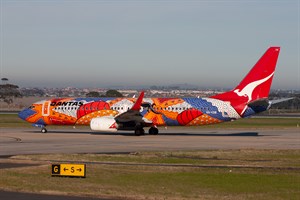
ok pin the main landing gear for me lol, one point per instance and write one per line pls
(153, 131)
(140, 131)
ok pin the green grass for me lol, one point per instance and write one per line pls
(276, 181)
(263, 122)
(12, 120)
(259, 123)
(246, 157)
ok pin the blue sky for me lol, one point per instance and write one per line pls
(107, 43)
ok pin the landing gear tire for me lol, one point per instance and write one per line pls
(139, 131)
(43, 130)
(153, 131)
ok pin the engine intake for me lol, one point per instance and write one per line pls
(104, 124)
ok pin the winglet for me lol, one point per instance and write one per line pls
(138, 103)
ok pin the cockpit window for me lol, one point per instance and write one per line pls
(31, 107)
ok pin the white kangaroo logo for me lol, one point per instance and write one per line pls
(248, 89)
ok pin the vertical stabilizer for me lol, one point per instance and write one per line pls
(256, 84)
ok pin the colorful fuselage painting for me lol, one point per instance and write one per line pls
(158, 111)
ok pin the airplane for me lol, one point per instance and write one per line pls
(249, 97)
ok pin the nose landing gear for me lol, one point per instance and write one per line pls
(43, 130)
(43, 127)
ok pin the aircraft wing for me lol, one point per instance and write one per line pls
(133, 115)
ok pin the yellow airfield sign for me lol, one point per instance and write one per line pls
(70, 170)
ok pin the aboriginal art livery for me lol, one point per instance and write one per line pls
(112, 114)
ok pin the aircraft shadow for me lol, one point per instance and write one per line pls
(212, 134)
(129, 133)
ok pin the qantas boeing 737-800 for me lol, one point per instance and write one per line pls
(112, 114)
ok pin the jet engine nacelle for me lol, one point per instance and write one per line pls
(104, 124)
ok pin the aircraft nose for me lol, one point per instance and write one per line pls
(24, 114)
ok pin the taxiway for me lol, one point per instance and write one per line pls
(17, 141)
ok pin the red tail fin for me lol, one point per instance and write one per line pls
(256, 84)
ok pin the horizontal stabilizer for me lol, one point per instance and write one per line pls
(259, 102)
(280, 100)
(259, 105)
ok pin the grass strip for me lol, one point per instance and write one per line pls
(165, 182)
